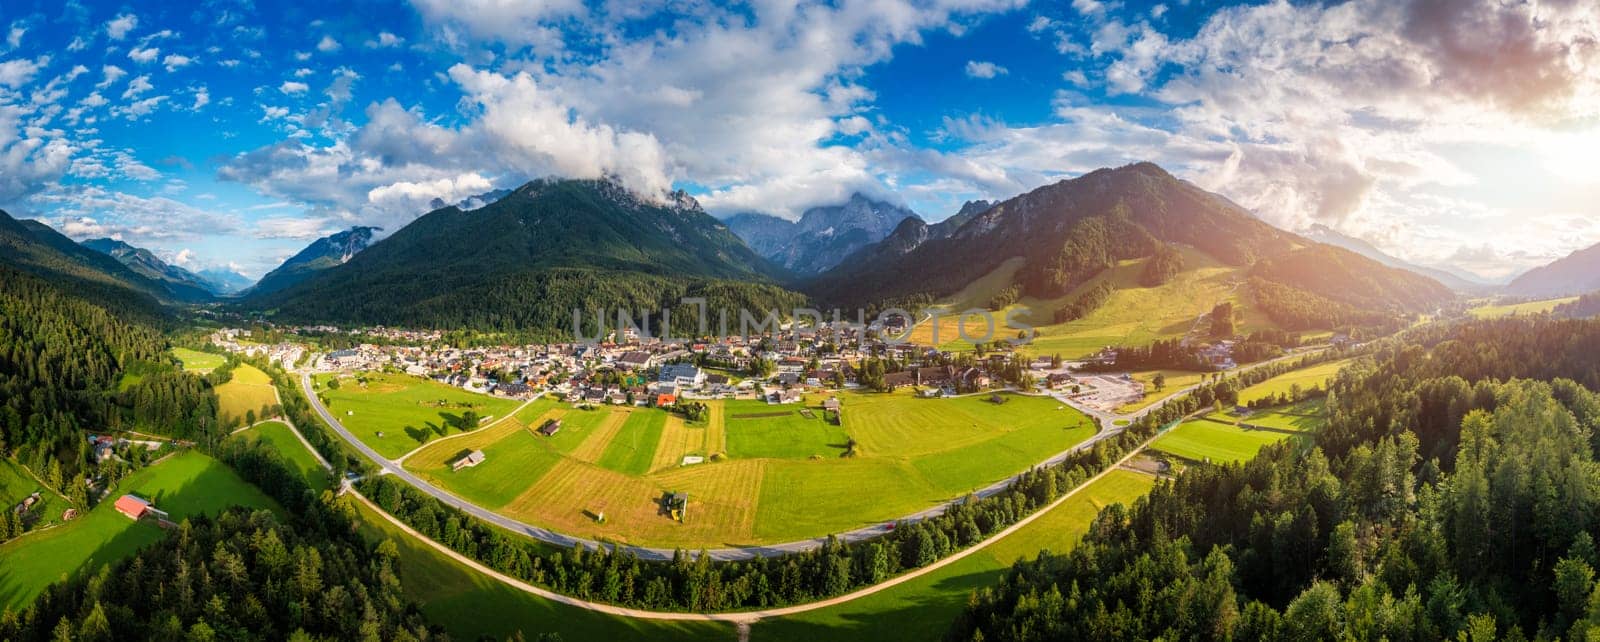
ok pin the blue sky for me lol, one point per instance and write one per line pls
(232, 133)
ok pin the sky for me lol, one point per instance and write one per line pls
(229, 133)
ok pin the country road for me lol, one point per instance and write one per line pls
(392, 467)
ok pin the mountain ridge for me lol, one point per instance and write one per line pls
(1574, 274)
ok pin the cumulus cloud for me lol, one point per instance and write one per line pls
(293, 88)
(173, 62)
(118, 28)
(419, 197)
(137, 86)
(983, 69)
(327, 45)
(144, 55)
(112, 74)
(94, 211)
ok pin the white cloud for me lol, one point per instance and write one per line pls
(977, 69)
(112, 74)
(137, 86)
(384, 40)
(19, 72)
(144, 55)
(419, 196)
(293, 88)
(327, 45)
(14, 36)
(173, 62)
(202, 97)
(118, 28)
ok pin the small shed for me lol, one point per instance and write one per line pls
(550, 427)
(471, 459)
(831, 405)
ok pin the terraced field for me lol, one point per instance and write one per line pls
(771, 472)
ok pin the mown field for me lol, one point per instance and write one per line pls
(197, 361)
(186, 484)
(395, 413)
(277, 435)
(1316, 376)
(249, 389)
(773, 473)
(1493, 311)
(1221, 438)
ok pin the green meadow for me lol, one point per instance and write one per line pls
(395, 413)
(279, 437)
(1316, 376)
(16, 484)
(197, 361)
(1493, 311)
(186, 484)
(922, 609)
(1220, 440)
(631, 451)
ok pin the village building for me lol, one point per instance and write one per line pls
(550, 427)
(684, 375)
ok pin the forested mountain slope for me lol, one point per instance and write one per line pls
(531, 258)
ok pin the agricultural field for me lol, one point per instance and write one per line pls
(16, 485)
(770, 473)
(197, 361)
(1226, 438)
(249, 389)
(277, 435)
(1316, 376)
(1494, 311)
(186, 484)
(923, 609)
(1133, 315)
(395, 413)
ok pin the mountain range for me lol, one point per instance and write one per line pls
(327, 252)
(527, 260)
(188, 286)
(1574, 274)
(1069, 232)
(1324, 234)
(36, 248)
(823, 236)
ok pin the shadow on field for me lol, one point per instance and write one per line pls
(918, 610)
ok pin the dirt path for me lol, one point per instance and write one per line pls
(479, 429)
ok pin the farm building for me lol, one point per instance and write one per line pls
(784, 396)
(471, 459)
(550, 427)
(831, 405)
(894, 380)
(137, 508)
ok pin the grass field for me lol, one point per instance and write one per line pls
(923, 609)
(1220, 439)
(1492, 311)
(472, 606)
(277, 435)
(782, 476)
(395, 413)
(185, 485)
(249, 389)
(197, 361)
(1316, 376)
(16, 484)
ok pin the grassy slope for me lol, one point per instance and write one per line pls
(16, 484)
(1314, 376)
(922, 609)
(187, 484)
(403, 408)
(197, 361)
(249, 389)
(278, 436)
(1134, 314)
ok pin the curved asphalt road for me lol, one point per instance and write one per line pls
(1108, 430)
